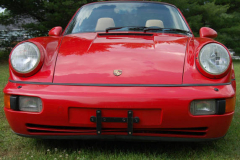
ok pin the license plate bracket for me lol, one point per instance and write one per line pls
(98, 119)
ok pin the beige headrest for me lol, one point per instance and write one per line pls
(154, 23)
(104, 23)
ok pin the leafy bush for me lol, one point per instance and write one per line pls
(4, 55)
(6, 46)
(9, 43)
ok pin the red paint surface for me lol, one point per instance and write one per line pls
(195, 75)
(50, 46)
(91, 58)
(56, 31)
(206, 32)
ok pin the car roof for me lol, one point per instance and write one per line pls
(132, 1)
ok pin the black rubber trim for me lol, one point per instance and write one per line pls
(14, 100)
(220, 106)
(124, 34)
(121, 137)
(120, 85)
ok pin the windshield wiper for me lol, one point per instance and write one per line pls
(166, 29)
(145, 29)
(134, 28)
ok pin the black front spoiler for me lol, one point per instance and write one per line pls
(122, 138)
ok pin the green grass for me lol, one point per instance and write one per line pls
(15, 147)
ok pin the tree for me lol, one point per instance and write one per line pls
(46, 13)
(230, 33)
(221, 15)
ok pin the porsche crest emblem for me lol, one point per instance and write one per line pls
(117, 72)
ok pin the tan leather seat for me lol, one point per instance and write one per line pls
(154, 23)
(104, 23)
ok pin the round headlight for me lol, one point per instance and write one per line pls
(25, 57)
(214, 59)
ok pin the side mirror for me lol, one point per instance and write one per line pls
(206, 32)
(56, 31)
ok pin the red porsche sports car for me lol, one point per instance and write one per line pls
(122, 70)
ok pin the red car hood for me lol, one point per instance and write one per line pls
(142, 58)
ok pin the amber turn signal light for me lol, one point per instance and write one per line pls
(230, 104)
(7, 100)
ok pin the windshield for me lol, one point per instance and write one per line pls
(98, 17)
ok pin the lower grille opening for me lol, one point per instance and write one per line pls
(173, 132)
(44, 131)
(58, 127)
(36, 128)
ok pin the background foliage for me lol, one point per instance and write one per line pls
(221, 15)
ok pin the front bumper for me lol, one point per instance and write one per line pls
(163, 111)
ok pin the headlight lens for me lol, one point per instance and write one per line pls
(25, 57)
(214, 59)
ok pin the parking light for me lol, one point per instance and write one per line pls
(30, 104)
(7, 100)
(203, 107)
(208, 107)
(25, 103)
